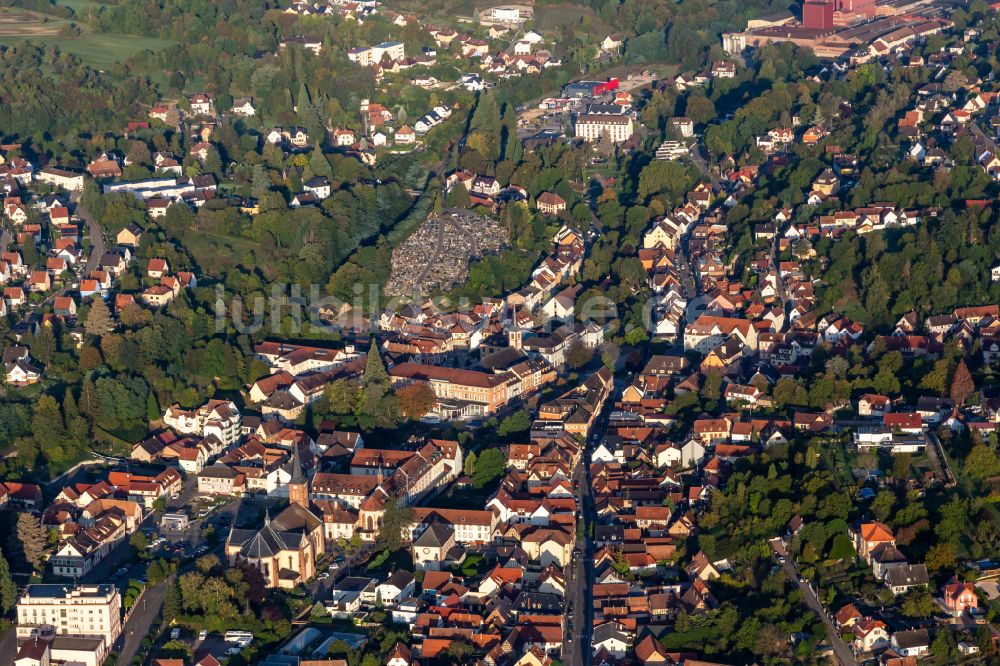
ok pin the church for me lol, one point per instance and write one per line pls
(285, 549)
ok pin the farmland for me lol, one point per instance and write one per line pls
(20, 23)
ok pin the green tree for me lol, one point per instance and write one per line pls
(469, 467)
(490, 466)
(378, 407)
(518, 422)
(918, 603)
(342, 396)
(397, 517)
(941, 557)
(8, 589)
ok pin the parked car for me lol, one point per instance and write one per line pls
(203, 634)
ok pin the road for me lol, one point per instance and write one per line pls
(699, 160)
(97, 243)
(8, 646)
(139, 623)
(579, 621)
(844, 653)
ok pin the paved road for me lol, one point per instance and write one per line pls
(699, 160)
(579, 595)
(8, 646)
(579, 622)
(96, 239)
(139, 623)
(843, 652)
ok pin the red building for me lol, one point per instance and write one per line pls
(818, 14)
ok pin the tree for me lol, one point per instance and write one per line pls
(578, 355)
(883, 505)
(8, 589)
(469, 467)
(30, 541)
(459, 651)
(416, 399)
(918, 603)
(139, 541)
(342, 396)
(99, 319)
(941, 557)
(962, 385)
(43, 345)
(397, 517)
(519, 421)
(490, 466)
(378, 407)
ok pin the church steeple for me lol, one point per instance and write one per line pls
(298, 485)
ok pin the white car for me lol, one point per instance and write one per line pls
(203, 634)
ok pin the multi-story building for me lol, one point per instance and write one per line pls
(373, 55)
(61, 178)
(87, 611)
(591, 127)
(216, 417)
(707, 332)
(461, 393)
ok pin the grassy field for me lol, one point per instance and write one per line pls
(79, 6)
(215, 253)
(97, 50)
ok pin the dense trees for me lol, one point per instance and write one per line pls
(397, 517)
(29, 542)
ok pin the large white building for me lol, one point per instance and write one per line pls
(372, 55)
(216, 417)
(67, 180)
(591, 127)
(86, 611)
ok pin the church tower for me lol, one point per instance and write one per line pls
(298, 486)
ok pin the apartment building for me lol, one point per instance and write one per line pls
(707, 332)
(216, 417)
(90, 611)
(591, 127)
(373, 55)
(61, 178)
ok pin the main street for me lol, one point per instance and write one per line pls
(579, 621)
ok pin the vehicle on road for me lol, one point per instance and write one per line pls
(203, 634)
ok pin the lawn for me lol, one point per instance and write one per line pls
(99, 50)
(79, 6)
(214, 253)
